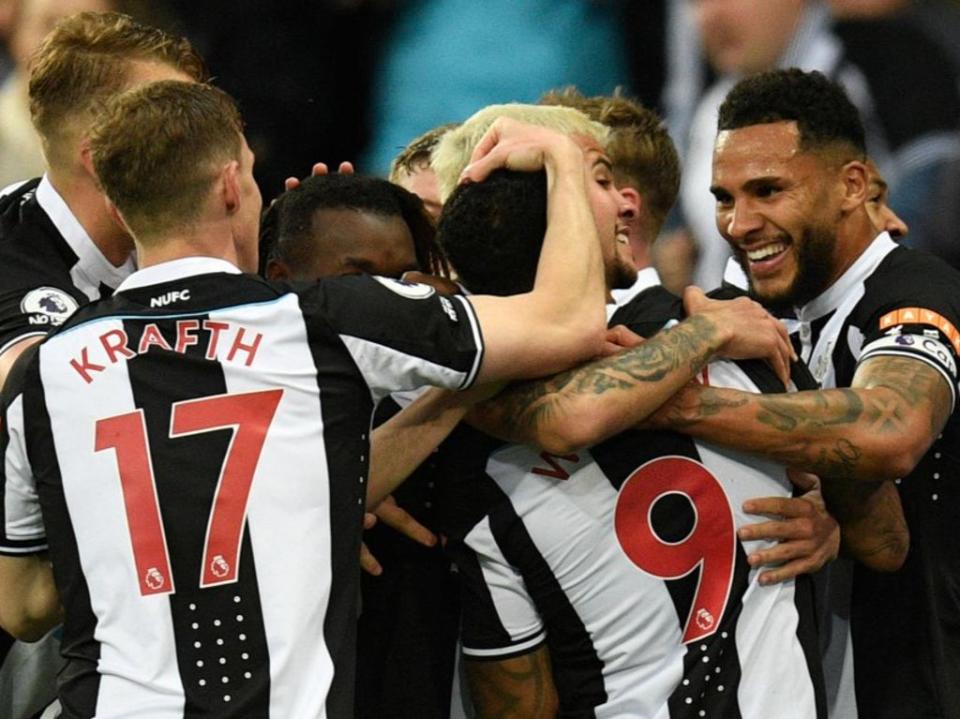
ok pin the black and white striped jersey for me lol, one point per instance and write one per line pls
(624, 560)
(906, 625)
(198, 446)
(49, 266)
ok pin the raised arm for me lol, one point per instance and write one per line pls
(879, 428)
(561, 321)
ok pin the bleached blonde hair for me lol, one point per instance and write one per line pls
(453, 152)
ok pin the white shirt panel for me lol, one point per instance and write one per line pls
(94, 497)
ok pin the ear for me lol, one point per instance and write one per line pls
(116, 216)
(854, 177)
(230, 187)
(277, 270)
(86, 157)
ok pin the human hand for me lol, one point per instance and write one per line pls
(807, 536)
(397, 518)
(751, 331)
(318, 169)
(619, 338)
(515, 145)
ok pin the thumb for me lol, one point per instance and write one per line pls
(694, 299)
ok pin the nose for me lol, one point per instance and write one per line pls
(738, 221)
(894, 224)
(629, 205)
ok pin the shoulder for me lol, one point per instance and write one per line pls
(649, 312)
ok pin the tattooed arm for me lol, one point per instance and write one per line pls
(873, 529)
(879, 428)
(516, 688)
(583, 406)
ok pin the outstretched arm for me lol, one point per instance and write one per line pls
(879, 428)
(586, 405)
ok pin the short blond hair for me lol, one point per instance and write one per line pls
(158, 149)
(86, 59)
(453, 152)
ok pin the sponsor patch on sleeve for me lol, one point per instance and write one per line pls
(921, 316)
(410, 290)
(48, 306)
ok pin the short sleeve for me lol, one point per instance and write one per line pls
(924, 332)
(401, 335)
(499, 618)
(21, 531)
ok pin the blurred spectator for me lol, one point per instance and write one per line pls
(8, 9)
(20, 154)
(911, 108)
(741, 37)
(918, 104)
(444, 59)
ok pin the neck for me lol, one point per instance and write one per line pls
(853, 238)
(88, 205)
(204, 238)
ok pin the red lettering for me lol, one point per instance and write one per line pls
(117, 347)
(84, 366)
(186, 334)
(557, 472)
(214, 328)
(250, 349)
(151, 337)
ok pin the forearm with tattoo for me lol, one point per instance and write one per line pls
(873, 527)
(641, 378)
(895, 406)
(517, 688)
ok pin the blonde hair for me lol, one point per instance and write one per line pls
(453, 152)
(86, 59)
(158, 149)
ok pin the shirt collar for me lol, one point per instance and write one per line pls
(177, 270)
(646, 278)
(92, 265)
(856, 274)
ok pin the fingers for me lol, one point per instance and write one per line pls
(781, 506)
(369, 519)
(346, 168)
(368, 562)
(318, 170)
(804, 481)
(623, 336)
(291, 183)
(402, 521)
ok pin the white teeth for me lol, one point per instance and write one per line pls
(766, 251)
(622, 238)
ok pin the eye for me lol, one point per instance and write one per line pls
(766, 191)
(723, 199)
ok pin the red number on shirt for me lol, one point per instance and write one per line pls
(249, 415)
(710, 546)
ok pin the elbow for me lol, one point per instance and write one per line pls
(572, 431)
(895, 460)
(888, 558)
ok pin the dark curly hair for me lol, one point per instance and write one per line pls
(493, 231)
(286, 226)
(820, 107)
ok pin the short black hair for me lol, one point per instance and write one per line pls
(493, 231)
(287, 225)
(820, 107)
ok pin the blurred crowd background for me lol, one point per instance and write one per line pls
(332, 80)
